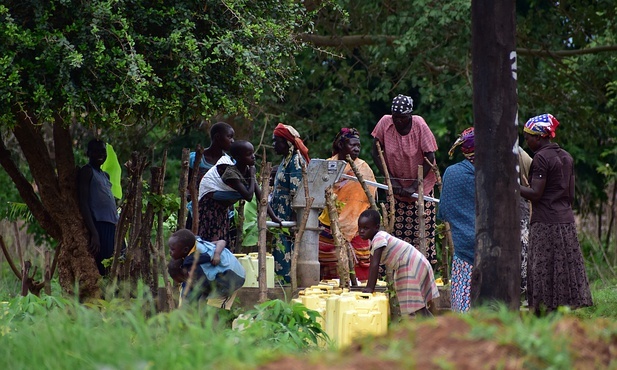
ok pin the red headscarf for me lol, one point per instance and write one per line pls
(290, 134)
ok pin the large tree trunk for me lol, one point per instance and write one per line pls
(54, 203)
(496, 273)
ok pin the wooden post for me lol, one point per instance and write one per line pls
(182, 188)
(496, 274)
(387, 217)
(194, 189)
(421, 216)
(262, 211)
(448, 246)
(342, 263)
(47, 273)
(294, 254)
(360, 178)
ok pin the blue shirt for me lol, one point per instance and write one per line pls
(457, 205)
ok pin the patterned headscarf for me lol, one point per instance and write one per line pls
(344, 134)
(543, 125)
(293, 137)
(402, 104)
(467, 143)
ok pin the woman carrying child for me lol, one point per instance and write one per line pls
(222, 186)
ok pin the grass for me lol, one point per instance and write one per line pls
(52, 333)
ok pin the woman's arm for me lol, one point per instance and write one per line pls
(535, 191)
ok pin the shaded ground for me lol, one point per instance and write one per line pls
(449, 342)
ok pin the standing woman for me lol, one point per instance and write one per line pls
(353, 201)
(286, 141)
(457, 206)
(556, 270)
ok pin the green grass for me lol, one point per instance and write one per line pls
(604, 301)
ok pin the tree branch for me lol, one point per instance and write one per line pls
(26, 191)
(345, 41)
(352, 41)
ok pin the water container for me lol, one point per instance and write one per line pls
(250, 263)
(353, 314)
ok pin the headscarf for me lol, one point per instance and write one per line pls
(344, 134)
(466, 142)
(402, 104)
(543, 125)
(293, 137)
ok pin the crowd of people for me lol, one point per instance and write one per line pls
(552, 268)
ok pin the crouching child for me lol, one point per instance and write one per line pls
(217, 275)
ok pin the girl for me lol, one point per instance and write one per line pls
(414, 282)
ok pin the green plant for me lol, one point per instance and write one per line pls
(283, 324)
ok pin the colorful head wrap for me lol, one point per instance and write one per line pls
(293, 137)
(344, 134)
(543, 125)
(402, 104)
(467, 143)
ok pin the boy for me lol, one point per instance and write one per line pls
(97, 204)
(217, 276)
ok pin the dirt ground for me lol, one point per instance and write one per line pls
(444, 343)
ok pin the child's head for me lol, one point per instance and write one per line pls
(243, 152)
(97, 151)
(368, 224)
(222, 134)
(176, 271)
(180, 243)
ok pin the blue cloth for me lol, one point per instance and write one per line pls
(220, 280)
(101, 201)
(457, 205)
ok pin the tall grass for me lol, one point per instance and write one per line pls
(55, 333)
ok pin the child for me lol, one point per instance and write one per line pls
(414, 282)
(222, 186)
(97, 204)
(217, 276)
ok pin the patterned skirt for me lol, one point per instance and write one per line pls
(328, 258)
(214, 221)
(556, 270)
(407, 226)
(460, 294)
(524, 207)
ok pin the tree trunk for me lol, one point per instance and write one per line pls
(54, 202)
(496, 274)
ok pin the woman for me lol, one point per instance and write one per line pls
(286, 141)
(352, 201)
(556, 270)
(457, 207)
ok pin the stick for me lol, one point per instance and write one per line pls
(182, 186)
(300, 232)
(388, 218)
(342, 263)
(362, 182)
(261, 224)
(448, 248)
(9, 259)
(420, 203)
(189, 281)
(199, 152)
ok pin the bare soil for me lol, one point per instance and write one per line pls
(445, 343)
